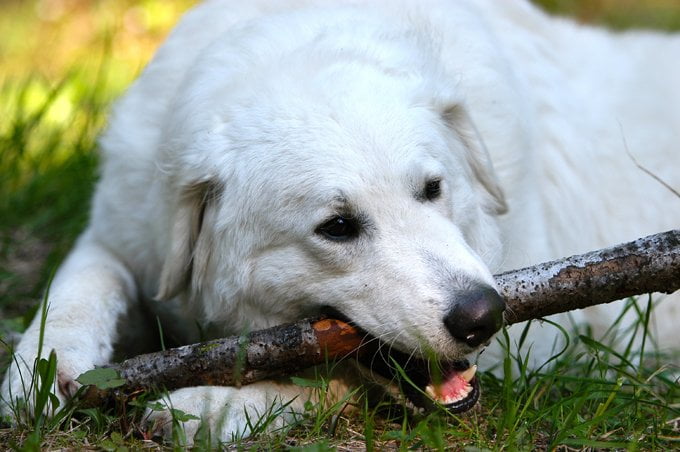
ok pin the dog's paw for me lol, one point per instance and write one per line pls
(26, 378)
(222, 414)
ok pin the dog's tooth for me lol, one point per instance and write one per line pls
(470, 373)
(431, 392)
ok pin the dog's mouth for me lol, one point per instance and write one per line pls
(458, 391)
(453, 385)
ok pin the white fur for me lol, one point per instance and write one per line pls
(256, 121)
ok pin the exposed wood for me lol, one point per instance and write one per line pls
(650, 264)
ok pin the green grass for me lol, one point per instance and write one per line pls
(48, 169)
(620, 14)
(589, 397)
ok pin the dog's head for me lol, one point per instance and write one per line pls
(351, 178)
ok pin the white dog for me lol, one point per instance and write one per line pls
(278, 157)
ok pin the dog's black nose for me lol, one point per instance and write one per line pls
(476, 315)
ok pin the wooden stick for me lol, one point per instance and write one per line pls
(235, 360)
(650, 264)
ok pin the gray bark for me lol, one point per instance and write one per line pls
(650, 264)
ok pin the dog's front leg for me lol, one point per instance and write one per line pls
(90, 293)
(228, 413)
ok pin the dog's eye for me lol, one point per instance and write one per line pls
(433, 189)
(339, 228)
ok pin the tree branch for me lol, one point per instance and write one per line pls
(650, 264)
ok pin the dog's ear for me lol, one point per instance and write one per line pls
(189, 253)
(457, 119)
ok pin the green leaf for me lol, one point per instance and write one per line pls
(153, 406)
(54, 400)
(47, 372)
(306, 383)
(117, 438)
(107, 445)
(102, 378)
(181, 416)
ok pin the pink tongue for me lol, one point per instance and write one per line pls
(452, 386)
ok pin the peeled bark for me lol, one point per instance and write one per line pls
(650, 264)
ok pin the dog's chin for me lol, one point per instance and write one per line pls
(425, 381)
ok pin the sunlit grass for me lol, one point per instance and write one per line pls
(62, 63)
(50, 36)
(620, 14)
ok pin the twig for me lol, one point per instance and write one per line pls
(645, 170)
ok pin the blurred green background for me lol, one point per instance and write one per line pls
(620, 14)
(61, 64)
